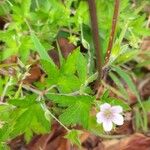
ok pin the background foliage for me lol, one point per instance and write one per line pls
(32, 29)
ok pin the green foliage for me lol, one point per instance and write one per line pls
(141, 120)
(128, 80)
(140, 116)
(114, 101)
(146, 105)
(46, 19)
(73, 136)
(32, 29)
(119, 85)
(77, 111)
(70, 76)
(34, 121)
(40, 49)
(25, 116)
(95, 128)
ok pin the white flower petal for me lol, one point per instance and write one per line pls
(105, 106)
(107, 125)
(100, 117)
(118, 119)
(117, 109)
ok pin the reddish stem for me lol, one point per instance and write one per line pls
(113, 29)
(111, 39)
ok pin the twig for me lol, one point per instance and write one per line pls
(113, 28)
(32, 89)
(18, 91)
(69, 94)
(36, 91)
(94, 26)
(7, 65)
(113, 136)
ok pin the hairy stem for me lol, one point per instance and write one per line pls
(113, 29)
(96, 41)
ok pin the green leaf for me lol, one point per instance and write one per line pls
(68, 84)
(115, 101)
(77, 111)
(94, 127)
(146, 105)
(127, 79)
(88, 80)
(76, 114)
(115, 51)
(82, 67)
(40, 49)
(4, 133)
(26, 7)
(23, 102)
(92, 78)
(119, 84)
(63, 100)
(131, 85)
(73, 136)
(123, 32)
(9, 52)
(42, 120)
(23, 121)
(105, 95)
(125, 57)
(24, 48)
(67, 100)
(4, 8)
(28, 135)
(31, 119)
(51, 70)
(5, 111)
(69, 67)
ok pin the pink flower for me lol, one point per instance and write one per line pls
(108, 115)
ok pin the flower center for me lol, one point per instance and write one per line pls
(108, 114)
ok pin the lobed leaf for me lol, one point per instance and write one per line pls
(78, 108)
